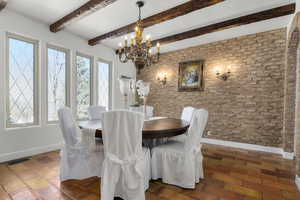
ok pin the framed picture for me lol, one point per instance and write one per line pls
(190, 77)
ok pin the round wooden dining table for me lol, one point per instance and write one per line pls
(153, 128)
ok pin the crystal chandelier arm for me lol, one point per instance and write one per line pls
(155, 58)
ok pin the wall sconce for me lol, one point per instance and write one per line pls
(162, 78)
(225, 75)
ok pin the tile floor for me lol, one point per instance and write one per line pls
(230, 174)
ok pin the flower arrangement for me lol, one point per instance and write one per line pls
(143, 88)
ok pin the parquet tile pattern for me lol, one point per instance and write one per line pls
(230, 174)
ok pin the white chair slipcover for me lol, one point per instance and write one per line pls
(187, 114)
(180, 163)
(77, 160)
(94, 112)
(149, 110)
(126, 167)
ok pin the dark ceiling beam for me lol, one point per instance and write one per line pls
(248, 19)
(172, 13)
(3, 4)
(88, 8)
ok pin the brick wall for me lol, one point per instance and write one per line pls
(297, 115)
(246, 108)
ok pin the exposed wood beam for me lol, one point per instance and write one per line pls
(3, 4)
(172, 13)
(88, 8)
(248, 19)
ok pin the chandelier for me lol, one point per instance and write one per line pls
(139, 49)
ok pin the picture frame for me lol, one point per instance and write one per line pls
(190, 76)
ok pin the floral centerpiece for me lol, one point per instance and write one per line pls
(143, 90)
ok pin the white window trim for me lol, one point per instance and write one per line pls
(36, 111)
(109, 82)
(67, 78)
(91, 81)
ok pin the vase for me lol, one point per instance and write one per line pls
(125, 90)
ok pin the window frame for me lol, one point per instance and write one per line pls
(36, 81)
(67, 79)
(109, 82)
(91, 81)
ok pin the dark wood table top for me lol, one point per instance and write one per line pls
(157, 128)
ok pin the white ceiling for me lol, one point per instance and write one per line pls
(124, 12)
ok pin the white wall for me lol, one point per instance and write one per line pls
(20, 142)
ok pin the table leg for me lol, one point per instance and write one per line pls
(150, 143)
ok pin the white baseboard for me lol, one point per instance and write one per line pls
(38, 150)
(29, 152)
(246, 146)
(297, 181)
(287, 155)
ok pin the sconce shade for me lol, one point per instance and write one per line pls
(229, 68)
(162, 78)
(223, 76)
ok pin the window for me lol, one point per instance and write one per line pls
(57, 80)
(103, 86)
(22, 82)
(83, 89)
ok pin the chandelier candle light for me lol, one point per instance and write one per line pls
(139, 51)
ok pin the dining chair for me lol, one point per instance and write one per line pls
(187, 114)
(180, 163)
(126, 167)
(149, 110)
(94, 112)
(77, 160)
